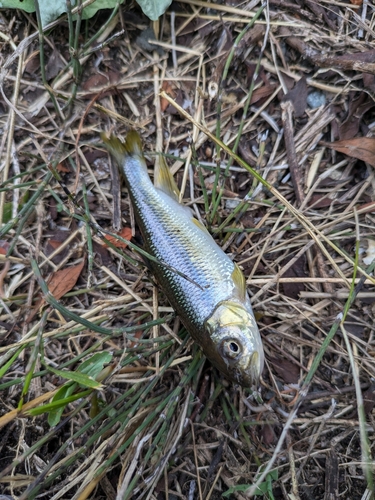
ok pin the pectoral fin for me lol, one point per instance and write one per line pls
(239, 281)
(200, 225)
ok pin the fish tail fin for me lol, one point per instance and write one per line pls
(120, 150)
(133, 144)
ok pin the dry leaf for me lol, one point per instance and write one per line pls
(370, 207)
(285, 369)
(293, 289)
(357, 108)
(102, 253)
(55, 244)
(368, 81)
(54, 65)
(61, 167)
(362, 148)
(101, 80)
(4, 247)
(168, 87)
(319, 201)
(262, 93)
(298, 97)
(138, 334)
(61, 282)
(226, 192)
(125, 233)
(268, 435)
(55, 240)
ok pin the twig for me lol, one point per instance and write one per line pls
(294, 168)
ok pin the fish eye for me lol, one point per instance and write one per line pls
(234, 347)
(230, 348)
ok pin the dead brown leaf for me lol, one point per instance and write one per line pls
(298, 97)
(285, 369)
(368, 81)
(32, 63)
(169, 88)
(362, 148)
(357, 108)
(319, 201)
(55, 239)
(262, 93)
(102, 253)
(293, 289)
(61, 282)
(54, 65)
(101, 80)
(61, 167)
(4, 247)
(367, 207)
(268, 434)
(226, 192)
(125, 233)
(55, 244)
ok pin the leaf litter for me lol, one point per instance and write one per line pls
(165, 424)
(361, 148)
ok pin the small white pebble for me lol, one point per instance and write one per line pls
(231, 203)
(370, 252)
(316, 99)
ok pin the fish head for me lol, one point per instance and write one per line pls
(235, 335)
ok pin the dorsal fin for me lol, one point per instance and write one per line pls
(164, 180)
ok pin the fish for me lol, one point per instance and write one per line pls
(208, 291)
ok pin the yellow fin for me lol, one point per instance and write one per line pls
(164, 179)
(114, 146)
(200, 225)
(132, 146)
(240, 282)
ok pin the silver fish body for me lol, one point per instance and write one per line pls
(212, 304)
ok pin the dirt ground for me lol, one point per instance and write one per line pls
(103, 394)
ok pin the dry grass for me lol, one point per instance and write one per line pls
(147, 416)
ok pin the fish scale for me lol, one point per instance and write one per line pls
(212, 304)
(179, 244)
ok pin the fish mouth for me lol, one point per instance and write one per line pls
(254, 365)
(251, 375)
